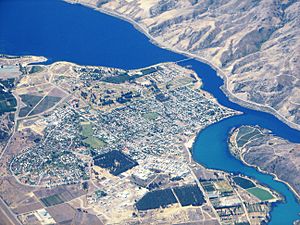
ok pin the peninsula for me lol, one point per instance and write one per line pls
(258, 147)
(99, 145)
(254, 45)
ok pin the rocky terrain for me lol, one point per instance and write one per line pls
(258, 147)
(254, 45)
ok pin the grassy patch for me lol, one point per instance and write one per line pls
(94, 142)
(151, 115)
(223, 186)
(90, 140)
(36, 69)
(52, 200)
(87, 129)
(122, 78)
(184, 80)
(260, 193)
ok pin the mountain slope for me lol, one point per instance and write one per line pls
(260, 148)
(255, 45)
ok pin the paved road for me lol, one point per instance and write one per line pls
(7, 217)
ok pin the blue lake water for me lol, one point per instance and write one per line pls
(60, 31)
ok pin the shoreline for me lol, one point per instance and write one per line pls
(219, 72)
(278, 197)
(191, 140)
(189, 143)
(275, 177)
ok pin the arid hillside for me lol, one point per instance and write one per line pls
(254, 44)
(259, 148)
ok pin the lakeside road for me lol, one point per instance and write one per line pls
(219, 72)
(7, 217)
(232, 97)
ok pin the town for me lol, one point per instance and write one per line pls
(116, 146)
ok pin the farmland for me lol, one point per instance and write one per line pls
(261, 193)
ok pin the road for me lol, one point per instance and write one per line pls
(7, 217)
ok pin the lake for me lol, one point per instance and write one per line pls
(60, 31)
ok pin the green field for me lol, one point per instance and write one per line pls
(94, 142)
(36, 69)
(52, 200)
(87, 129)
(260, 193)
(151, 115)
(87, 132)
(122, 78)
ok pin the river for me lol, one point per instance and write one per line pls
(60, 31)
